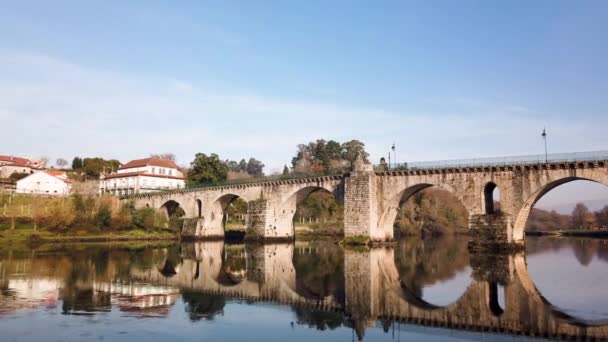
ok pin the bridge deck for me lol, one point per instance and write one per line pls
(537, 161)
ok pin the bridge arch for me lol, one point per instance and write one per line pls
(394, 203)
(288, 207)
(218, 211)
(519, 225)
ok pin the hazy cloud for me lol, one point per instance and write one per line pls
(62, 109)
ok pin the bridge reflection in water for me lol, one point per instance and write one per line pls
(374, 290)
(326, 285)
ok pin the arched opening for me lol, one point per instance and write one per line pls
(199, 207)
(573, 206)
(175, 215)
(318, 213)
(491, 195)
(577, 210)
(496, 298)
(233, 217)
(427, 210)
(433, 273)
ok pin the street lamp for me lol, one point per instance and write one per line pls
(394, 154)
(544, 135)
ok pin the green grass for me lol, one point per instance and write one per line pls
(357, 240)
(29, 236)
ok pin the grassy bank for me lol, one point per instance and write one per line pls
(30, 236)
(314, 232)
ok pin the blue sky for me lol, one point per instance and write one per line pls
(445, 80)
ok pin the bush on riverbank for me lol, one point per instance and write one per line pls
(76, 213)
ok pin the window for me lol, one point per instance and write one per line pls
(170, 172)
(153, 170)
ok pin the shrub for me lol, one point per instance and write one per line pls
(103, 218)
(55, 214)
(147, 218)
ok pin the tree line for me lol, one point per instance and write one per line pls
(581, 218)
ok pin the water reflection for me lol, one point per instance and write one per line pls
(571, 274)
(434, 270)
(367, 293)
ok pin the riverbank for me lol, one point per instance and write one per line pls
(596, 234)
(30, 236)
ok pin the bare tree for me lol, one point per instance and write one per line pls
(582, 218)
(44, 161)
(61, 162)
(168, 156)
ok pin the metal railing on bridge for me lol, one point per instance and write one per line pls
(291, 176)
(534, 159)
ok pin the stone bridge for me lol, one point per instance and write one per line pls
(372, 198)
(373, 291)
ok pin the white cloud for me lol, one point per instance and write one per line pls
(63, 109)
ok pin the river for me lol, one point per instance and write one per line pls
(431, 289)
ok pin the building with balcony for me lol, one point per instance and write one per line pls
(142, 176)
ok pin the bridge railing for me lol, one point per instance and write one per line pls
(534, 159)
(291, 176)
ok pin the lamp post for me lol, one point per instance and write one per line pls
(394, 154)
(544, 135)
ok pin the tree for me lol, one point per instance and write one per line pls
(15, 176)
(321, 155)
(580, 216)
(354, 148)
(77, 163)
(233, 165)
(166, 156)
(44, 161)
(95, 166)
(205, 169)
(242, 166)
(61, 162)
(255, 167)
(285, 170)
(602, 217)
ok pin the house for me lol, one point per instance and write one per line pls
(54, 183)
(142, 176)
(12, 164)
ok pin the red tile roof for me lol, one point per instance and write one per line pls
(56, 173)
(61, 175)
(149, 162)
(16, 161)
(140, 173)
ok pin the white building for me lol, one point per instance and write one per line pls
(141, 176)
(54, 183)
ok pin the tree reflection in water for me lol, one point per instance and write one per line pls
(422, 263)
(203, 306)
(320, 271)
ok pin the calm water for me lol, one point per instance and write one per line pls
(417, 290)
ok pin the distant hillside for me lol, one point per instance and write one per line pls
(566, 208)
(542, 220)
